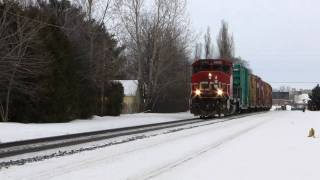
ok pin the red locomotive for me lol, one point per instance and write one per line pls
(221, 87)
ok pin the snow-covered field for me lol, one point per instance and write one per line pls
(266, 146)
(17, 131)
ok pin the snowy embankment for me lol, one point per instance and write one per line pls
(266, 146)
(279, 149)
(10, 132)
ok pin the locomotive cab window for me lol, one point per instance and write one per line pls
(198, 68)
(204, 85)
(215, 68)
(214, 85)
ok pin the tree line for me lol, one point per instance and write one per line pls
(59, 59)
(225, 46)
(50, 71)
(314, 102)
(157, 37)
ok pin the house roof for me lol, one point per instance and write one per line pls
(130, 87)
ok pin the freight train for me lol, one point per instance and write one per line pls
(220, 87)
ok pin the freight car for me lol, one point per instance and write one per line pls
(220, 87)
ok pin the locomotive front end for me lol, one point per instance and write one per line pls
(211, 87)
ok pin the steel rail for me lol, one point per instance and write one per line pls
(34, 145)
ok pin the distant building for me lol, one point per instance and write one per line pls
(280, 95)
(301, 100)
(130, 88)
(281, 98)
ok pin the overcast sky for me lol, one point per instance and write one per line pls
(279, 38)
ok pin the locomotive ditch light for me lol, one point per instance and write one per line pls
(198, 92)
(210, 75)
(219, 92)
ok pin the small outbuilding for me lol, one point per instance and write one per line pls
(130, 100)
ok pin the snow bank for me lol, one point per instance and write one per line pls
(10, 132)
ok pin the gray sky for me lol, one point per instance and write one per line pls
(279, 38)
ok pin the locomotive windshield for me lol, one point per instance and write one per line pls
(204, 85)
(207, 67)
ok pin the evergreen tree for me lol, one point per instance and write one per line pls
(68, 87)
(314, 102)
(114, 97)
(64, 84)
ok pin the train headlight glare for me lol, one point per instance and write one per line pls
(220, 92)
(198, 92)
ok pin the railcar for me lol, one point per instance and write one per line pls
(219, 87)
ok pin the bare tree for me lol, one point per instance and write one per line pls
(208, 47)
(103, 63)
(152, 36)
(15, 63)
(99, 13)
(198, 51)
(130, 15)
(225, 42)
(170, 37)
(95, 10)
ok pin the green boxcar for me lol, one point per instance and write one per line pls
(241, 85)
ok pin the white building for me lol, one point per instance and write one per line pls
(301, 100)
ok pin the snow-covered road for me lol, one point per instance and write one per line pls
(265, 146)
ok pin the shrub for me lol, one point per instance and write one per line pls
(114, 97)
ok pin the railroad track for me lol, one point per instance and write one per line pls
(35, 145)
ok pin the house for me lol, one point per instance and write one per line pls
(301, 100)
(281, 99)
(130, 88)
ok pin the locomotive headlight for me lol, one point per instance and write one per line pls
(198, 92)
(219, 92)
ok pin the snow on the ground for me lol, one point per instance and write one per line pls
(277, 150)
(266, 146)
(18, 131)
(131, 160)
